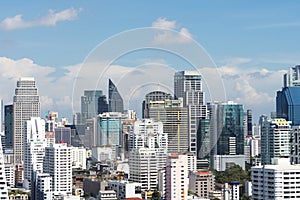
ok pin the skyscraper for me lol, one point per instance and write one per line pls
(175, 123)
(275, 139)
(153, 96)
(288, 104)
(58, 164)
(188, 85)
(34, 151)
(227, 134)
(90, 104)
(114, 98)
(292, 78)
(26, 104)
(9, 126)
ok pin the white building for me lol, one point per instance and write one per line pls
(107, 195)
(3, 183)
(125, 189)
(141, 131)
(79, 156)
(143, 168)
(34, 148)
(10, 174)
(26, 104)
(58, 164)
(278, 181)
(222, 162)
(41, 186)
(103, 153)
(177, 177)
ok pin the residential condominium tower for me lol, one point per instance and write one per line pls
(26, 104)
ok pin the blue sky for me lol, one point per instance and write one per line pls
(250, 41)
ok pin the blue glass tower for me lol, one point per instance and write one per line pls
(288, 104)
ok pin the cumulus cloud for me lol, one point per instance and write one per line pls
(50, 19)
(171, 32)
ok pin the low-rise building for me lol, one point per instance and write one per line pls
(125, 189)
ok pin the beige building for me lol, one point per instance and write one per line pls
(201, 183)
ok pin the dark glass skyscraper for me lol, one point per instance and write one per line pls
(9, 126)
(114, 98)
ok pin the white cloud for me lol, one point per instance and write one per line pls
(50, 19)
(170, 32)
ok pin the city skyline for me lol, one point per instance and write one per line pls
(251, 45)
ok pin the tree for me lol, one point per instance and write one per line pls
(155, 195)
(234, 173)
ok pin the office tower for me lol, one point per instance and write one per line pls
(58, 164)
(26, 104)
(292, 78)
(153, 96)
(177, 181)
(110, 129)
(227, 131)
(41, 186)
(3, 182)
(201, 183)
(115, 101)
(89, 104)
(275, 139)
(277, 181)
(9, 126)
(203, 137)
(34, 149)
(288, 104)
(175, 122)
(102, 104)
(63, 135)
(143, 168)
(188, 85)
(248, 123)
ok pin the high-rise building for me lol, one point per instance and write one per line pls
(3, 182)
(115, 100)
(63, 135)
(277, 181)
(110, 129)
(288, 104)
(203, 139)
(148, 143)
(292, 78)
(153, 96)
(175, 122)
(41, 186)
(226, 130)
(177, 180)
(295, 145)
(102, 104)
(89, 104)
(9, 126)
(188, 85)
(143, 168)
(275, 139)
(58, 164)
(34, 149)
(201, 183)
(26, 104)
